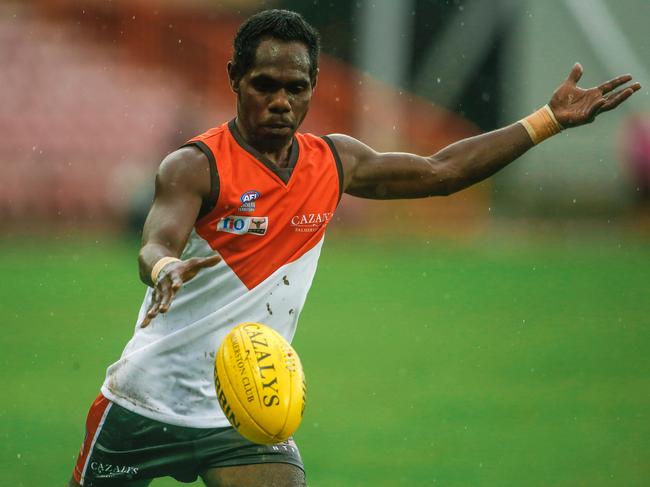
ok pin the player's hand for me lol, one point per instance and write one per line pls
(171, 279)
(573, 106)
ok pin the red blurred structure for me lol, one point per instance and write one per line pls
(96, 93)
(636, 153)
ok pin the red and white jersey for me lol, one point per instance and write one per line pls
(268, 226)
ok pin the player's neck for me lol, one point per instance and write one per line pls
(276, 150)
(279, 157)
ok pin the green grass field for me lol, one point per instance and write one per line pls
(485, 363)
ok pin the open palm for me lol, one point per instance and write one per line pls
(573, 106)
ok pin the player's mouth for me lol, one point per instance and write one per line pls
(278, 127)
(277, 122)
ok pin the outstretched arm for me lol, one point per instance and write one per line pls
(182, 183)
(369, 174)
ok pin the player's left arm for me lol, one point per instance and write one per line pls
(370, 174)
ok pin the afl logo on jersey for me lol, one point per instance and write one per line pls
(248, 200)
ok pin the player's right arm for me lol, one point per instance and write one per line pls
(182, 184)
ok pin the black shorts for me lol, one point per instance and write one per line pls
(121, 445)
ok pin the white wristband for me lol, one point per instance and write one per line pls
(158, 267)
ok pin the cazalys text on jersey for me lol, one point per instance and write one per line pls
(310, 222)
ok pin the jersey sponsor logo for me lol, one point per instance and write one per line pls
(241, 225)
(310, 222)
(248, 200)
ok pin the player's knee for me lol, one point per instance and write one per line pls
(260, 475)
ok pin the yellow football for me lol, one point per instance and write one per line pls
(260, 383)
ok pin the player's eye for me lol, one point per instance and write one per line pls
(296, 88)
(264, 85)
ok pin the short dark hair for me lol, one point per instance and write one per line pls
(284, 25)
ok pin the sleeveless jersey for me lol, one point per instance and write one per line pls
(269, 232)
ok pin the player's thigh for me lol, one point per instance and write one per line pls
(257, 475)
(131, 483)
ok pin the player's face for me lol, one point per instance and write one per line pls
(274, 95)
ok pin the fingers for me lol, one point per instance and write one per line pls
(162, 297)
(153, 308)
(195, 264)
(208, 261)
(171, 281)
(575, 74)
(170, 286)
(596, 109)
(615, 99)
(614, 83)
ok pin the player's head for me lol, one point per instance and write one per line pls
(273, 72)
(283, 25)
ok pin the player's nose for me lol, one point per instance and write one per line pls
(280, 102)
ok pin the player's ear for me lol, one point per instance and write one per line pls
(315, 80)
(234, 82)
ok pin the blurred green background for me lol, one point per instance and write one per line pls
(485, 362)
